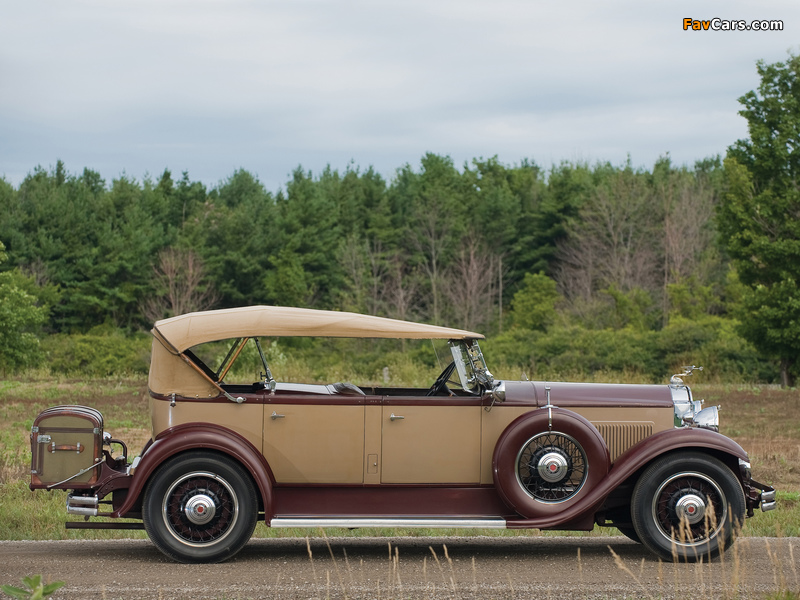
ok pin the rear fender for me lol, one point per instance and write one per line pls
(195, 436)
(636, 458)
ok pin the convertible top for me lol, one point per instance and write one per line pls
(173, 372)
(185, 331)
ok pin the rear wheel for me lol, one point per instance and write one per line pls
(200, 507)
(686, 506)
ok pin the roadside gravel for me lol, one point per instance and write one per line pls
(387, 568)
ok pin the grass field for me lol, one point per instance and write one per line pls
(765, 420)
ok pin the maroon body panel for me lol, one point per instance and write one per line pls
(193, 436)
(632, 461)
(607, 395)
(388, 501)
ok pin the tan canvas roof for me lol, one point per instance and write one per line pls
(191, 329)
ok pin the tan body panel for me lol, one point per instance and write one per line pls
(245, 419)
(174, 376)
(316, 442)
(372, 444)
(621, 428)
(306, 443)
(431, 444)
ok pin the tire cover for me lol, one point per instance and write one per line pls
(520, 432)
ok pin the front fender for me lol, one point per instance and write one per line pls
(193, 436)
(634, 459)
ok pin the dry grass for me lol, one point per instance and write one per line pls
(764, 420)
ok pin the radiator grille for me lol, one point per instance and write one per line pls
(621, 436)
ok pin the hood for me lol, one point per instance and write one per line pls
(567, 395)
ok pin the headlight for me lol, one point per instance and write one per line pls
(708, 418)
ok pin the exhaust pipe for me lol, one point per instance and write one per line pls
(82, 505)
(768, 501)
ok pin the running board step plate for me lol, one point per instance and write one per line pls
(353, 523)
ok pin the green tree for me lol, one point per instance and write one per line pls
(534, 305)
(303, 241)
(232, 231)
(20, 320)
(759, 216)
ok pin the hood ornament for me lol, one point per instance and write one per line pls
(676, 380)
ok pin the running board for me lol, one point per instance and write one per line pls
(355, 522)
(102, 525)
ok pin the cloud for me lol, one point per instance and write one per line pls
(210, 86)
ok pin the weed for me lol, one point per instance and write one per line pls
(34, 589)
(771, 435)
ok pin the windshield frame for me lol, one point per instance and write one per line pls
(471, 366)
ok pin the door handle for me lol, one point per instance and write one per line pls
(395, 417)
(275, 415)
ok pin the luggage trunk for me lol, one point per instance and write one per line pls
(66, 447)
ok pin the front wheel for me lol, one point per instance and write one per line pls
(200, 507)
(686, 506)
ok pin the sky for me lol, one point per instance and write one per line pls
(134, 87)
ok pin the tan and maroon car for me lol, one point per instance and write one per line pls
(468, 451)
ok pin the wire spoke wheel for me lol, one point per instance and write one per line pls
(552, 467)
(689, 508)
(200, 508)
(687, 505)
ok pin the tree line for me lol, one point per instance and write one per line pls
(487, 246)
(438, 243)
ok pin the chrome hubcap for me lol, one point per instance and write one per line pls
(552, 467)
(692, 508)
(200, 509)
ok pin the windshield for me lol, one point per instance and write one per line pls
(377, 364)
(471, 366)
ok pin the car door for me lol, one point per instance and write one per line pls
(431, 440)
(314, 437)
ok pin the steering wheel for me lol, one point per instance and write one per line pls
(440, 384)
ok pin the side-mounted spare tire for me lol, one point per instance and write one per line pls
(546, 460)
(200, 507)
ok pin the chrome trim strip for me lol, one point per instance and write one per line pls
(355, 522)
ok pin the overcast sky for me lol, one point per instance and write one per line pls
(211, 86)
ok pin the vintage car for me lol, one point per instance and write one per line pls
(467, 452)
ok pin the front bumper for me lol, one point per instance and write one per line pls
(756, 494)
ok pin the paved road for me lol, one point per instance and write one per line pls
(386, 568)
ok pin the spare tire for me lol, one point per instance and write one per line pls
(545, 460)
